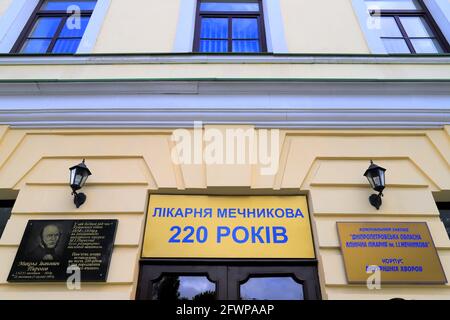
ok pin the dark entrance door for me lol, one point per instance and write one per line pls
(230, 281)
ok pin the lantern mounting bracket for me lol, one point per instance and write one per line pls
(375, 200)
(79, 199)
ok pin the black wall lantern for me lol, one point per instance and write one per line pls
(78, 177)
(375, 175)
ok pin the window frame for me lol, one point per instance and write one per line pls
(443, 206)
(230, 15)
(425, 14)
(37, 14)
(6, 204)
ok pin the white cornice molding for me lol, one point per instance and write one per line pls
(435, 89)
(217, 59)
(172, 104)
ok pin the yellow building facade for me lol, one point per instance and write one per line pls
(324, 84)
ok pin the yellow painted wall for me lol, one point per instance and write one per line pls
(139, 26)
(227, 71)
(128, 164)
(319, 26)
(322, 26)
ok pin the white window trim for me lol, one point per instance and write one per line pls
(439, 9)
(372, 36)
(13, 21)
(17, 15)
(274, 28)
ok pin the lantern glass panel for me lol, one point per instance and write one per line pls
(72, 176)
(382, 179)
(376, 181)
(84, 178)
(370, 179)
(78, 178)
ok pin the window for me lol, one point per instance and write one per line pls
(56, 26)
(230, 26)
(444, 210)
(5, 213)
(406, 26)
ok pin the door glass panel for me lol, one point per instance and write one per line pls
(176, 287)
(396, 46)
(416, 27)
(393, 4)
(271, 288)
(426, 46)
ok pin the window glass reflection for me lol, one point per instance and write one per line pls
(64, 5)
(393, 4)
(5, 214)
(229, 6)
(271, 288)
(388, 27)
(45, 28)
(444, 210)
(174, 287)
(214, 28)
(396, 46)
(426, 46)
(416, 27)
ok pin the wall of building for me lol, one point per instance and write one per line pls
(13, 69)
(322, 26)
(150, 26)
(139, 26)
(128, 164)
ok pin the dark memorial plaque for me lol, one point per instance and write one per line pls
(51, 250)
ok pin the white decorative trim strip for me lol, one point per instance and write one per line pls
(218, 59)
(371, 34)
(94, 26)
(440, 10)
(274, 27)
(268, 105)
(13, 22)
(184, 38)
